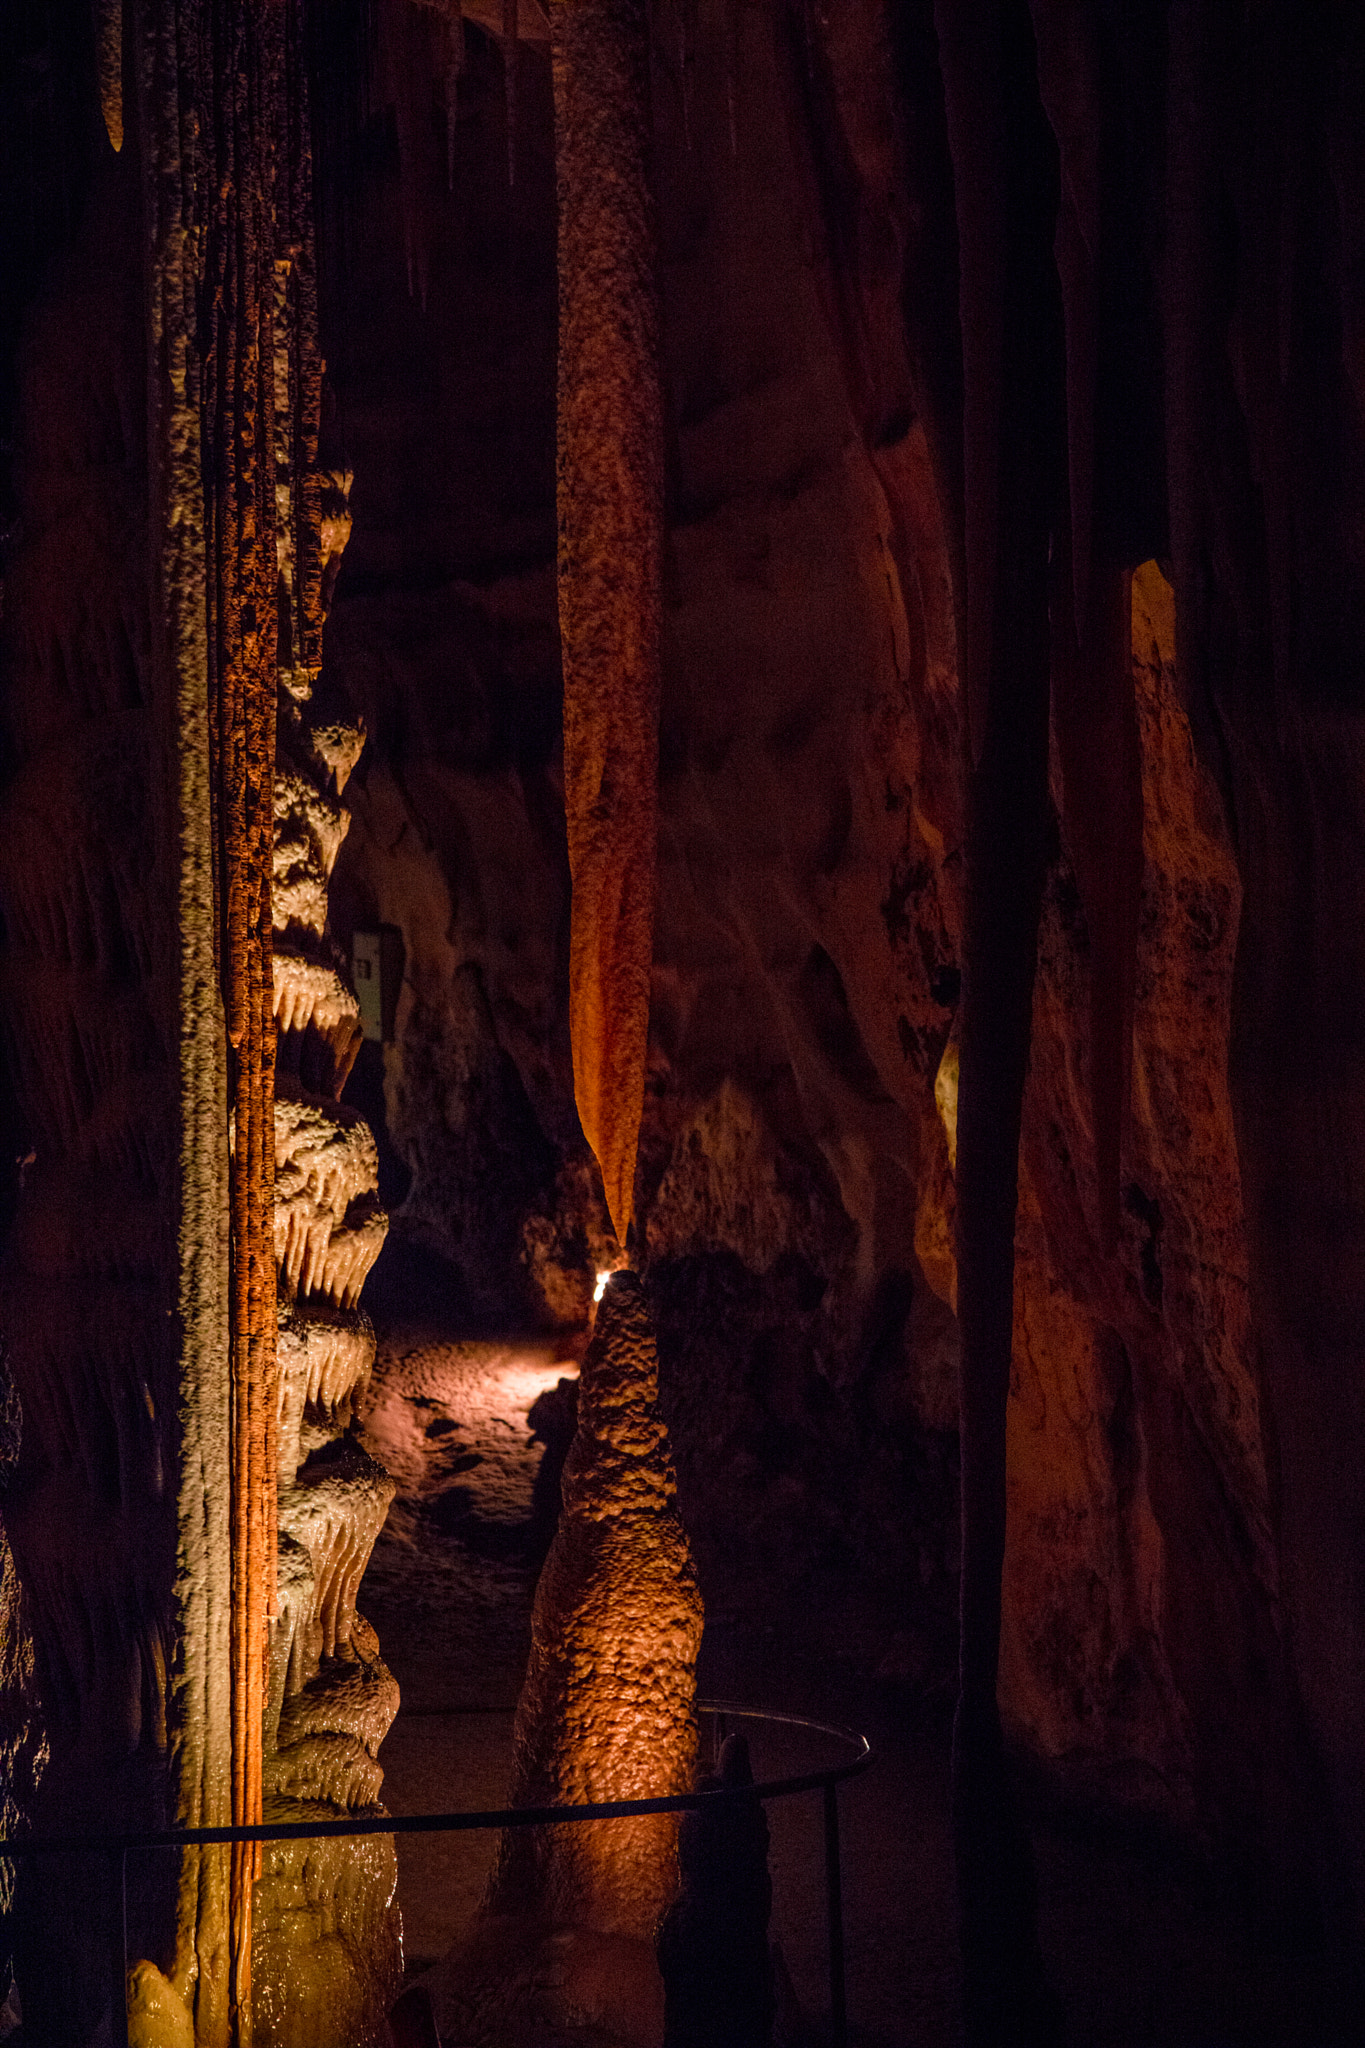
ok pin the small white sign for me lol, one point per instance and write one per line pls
(377, 970)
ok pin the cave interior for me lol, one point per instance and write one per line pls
(682, 1018)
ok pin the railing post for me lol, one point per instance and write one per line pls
(834, 1902)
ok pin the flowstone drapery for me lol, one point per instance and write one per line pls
(327, 1954)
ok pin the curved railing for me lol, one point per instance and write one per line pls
(119, 1847)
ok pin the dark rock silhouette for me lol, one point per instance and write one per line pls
(713, 1946)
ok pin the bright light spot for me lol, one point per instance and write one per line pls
(601, 1286)
(518, 1381)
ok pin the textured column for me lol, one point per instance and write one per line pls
(327, 1954)
(170, 52)
(606, 1711)
(174, 1455)
(610, 549)
(245, 87)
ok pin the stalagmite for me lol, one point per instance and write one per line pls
(1156, 221)
(606, 1711)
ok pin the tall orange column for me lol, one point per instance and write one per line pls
(245, 50)
(610, 553)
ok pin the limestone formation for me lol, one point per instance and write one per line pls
(606, 1712)
(610, 561)
(607, 1708)
(796, 1193)
(173, 616)
(970, 313)
(328, 1954)
(115, 1281)
(328, 1230)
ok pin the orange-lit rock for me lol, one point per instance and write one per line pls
(1127, 1647)
(565, 1938)
(607, 1708)
(1186, 1429)
(610, 560)
(327, 1955)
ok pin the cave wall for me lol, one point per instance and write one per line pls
(89, 1283)
(1186, 1421)
(1143, 1610)
(795, 1182)
(1266, 384)
(165, 455)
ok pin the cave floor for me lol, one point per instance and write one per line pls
(1143, 1942)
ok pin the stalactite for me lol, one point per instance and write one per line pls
(311, 996)
(401, 83)
(331, 1699)
(110, 60)
(328, 1226)
(608, 1698)
(687, 33)
(336, 1517)
(147, 729)
(325, 1358)
(610, 551)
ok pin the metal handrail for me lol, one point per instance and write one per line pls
(118, 1847)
